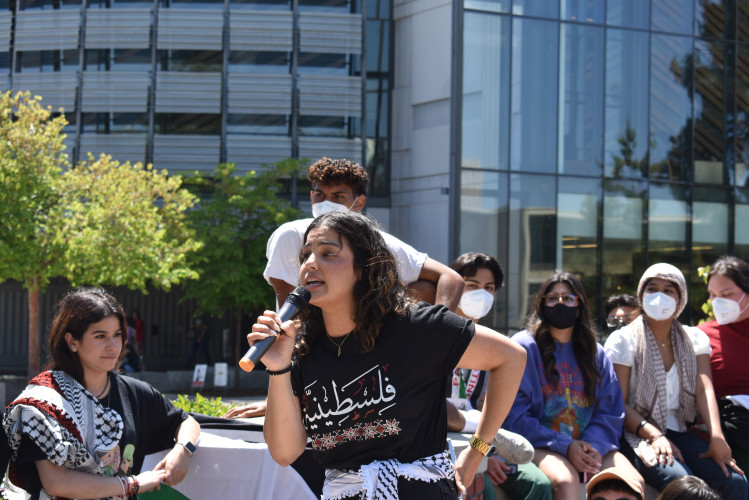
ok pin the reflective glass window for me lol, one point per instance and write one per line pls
(484, 217)
(242, 61)
(670, 107)
(536, 8)
(486, 96)
(667, 225)
(328, 6)
(257, 124)
(489, 5)
(628, 13)
(532, 254)
(714, 19)
(741, 228)
(742, 20)
(584, 11)
(122, 60)
(199, 61)
(323, 125)
(581, 100)
(626, 101)
(672, 16)
(111, 123)
(741, 134)
(710, 110)
(378, 9)
(535, 62)
(323, 64)
(623, 244)
(578, 205)
(187, 123)
(378, 53)
(261, 4)
(710, 226)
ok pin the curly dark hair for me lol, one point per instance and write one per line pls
(617, 301)
(327, 171)
(378, 292)
(584, 343)
(74, 313)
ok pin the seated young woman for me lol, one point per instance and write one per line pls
(569, 404)
(367, 381)
(664, 372)
(80, 429)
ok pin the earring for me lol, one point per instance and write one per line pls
(72, 347)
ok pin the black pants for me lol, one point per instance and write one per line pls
(735, 422)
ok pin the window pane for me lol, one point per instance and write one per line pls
(710, 111)
(187, 123)
(670, 107)
(742, 21)
(741, 228)
(581, 95)
(536, 8)
(667, 229)
(626, 125)
(585, 11)
(257, 124)
(673, 16)
(534, 95)
(489, 5)
(531, 257)
(241, 61)
(190, 60)
(628, 13)
(486, 98)
(712, 21)
(623, 215)
(741, 135)
(577, 232)
(710, 224)
(483, 228)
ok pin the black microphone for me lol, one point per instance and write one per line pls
(295, 303)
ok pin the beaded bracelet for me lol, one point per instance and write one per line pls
(279, 372)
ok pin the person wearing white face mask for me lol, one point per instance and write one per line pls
(514, 473)
(664, 371)
(728, 284)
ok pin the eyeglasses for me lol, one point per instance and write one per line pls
(568, 299)
(617, 321)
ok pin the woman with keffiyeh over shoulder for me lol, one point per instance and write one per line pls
(664, 370)
(80, 429)
(367, 382)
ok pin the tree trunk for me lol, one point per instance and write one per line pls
(238, 346)
(34, 331)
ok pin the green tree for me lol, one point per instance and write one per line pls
(235, 219)
(101, 223)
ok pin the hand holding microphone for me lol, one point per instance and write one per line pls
(294, 304)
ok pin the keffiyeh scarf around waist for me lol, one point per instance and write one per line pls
(68, 424)
(379, 479)
(650, 399)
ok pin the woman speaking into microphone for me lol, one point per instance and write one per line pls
(364, 376)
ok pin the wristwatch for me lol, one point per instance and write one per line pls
(188, 446)
(484, 448)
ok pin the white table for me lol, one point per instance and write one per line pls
(233, 468)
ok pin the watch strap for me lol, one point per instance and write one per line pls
(481, 446)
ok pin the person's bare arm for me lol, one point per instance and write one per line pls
(449, 283)
(254, 409)
(177, 462)
(282, 290)
(68, 483)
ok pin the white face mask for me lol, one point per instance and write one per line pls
(727, 310)
(476, 303)
(325, 207)
(659, 306)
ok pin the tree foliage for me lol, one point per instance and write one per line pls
(99, 223)
(235, 219)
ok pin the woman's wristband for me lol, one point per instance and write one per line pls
(279, 372)
(640, 426)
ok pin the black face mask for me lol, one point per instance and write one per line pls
(560, 316)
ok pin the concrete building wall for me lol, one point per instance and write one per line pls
(421, 124)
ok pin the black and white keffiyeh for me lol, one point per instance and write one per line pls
(378, 480)
(65, 421)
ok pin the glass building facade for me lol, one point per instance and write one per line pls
(600, 137)
(188, 84)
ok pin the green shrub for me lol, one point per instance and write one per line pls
(207, 406)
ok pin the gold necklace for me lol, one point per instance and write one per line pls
(337, 344)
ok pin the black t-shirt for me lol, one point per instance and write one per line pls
(150, 425)
(389, 402)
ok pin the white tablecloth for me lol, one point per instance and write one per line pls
(232, 468)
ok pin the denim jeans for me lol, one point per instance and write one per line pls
(707, 469)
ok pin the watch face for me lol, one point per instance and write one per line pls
(189, 447)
